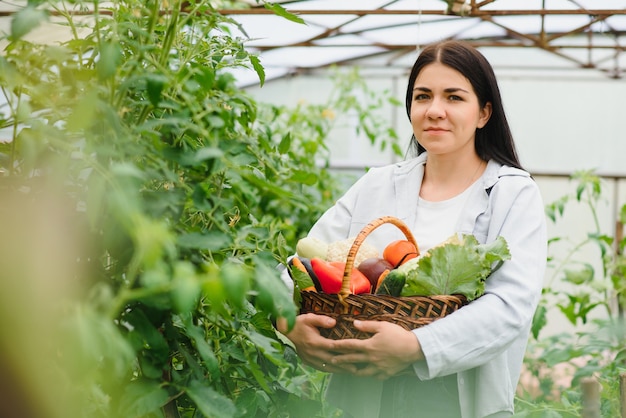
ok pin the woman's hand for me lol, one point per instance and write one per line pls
(389, 351)
(312, 348)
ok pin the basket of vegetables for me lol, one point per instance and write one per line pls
(402, 286)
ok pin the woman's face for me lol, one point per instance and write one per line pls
(445, 112)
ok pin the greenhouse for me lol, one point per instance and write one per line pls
(167, 166)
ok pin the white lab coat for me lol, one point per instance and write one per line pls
(484, 342)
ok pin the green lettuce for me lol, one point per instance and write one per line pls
(459, 266)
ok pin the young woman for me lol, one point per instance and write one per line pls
(464, 178)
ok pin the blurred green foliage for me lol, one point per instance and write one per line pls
(147, 201)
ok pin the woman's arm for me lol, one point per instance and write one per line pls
(501, 318)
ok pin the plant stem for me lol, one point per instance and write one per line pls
(14, 133)
(594, 215)
(566, 260)
(172, 31)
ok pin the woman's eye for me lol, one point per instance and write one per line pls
(422, 96)
(454, 97)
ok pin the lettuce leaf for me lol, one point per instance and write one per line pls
(458, 266)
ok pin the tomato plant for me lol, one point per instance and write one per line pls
(146, 201)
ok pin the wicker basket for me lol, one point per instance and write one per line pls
(409, 312)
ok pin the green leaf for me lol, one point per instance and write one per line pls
(285, 143)
(156, 278)
(205, 76)
(579, 276)
(304, 177)
(281, 11)
(269, 188)
(540, 320)
(492, 252)
(144, 335)
(210, 402)
(207, 153)
(143, 397)
(444, 271)
(620, 357)
(83, 114)
(186, 287)
(457, 267)
(256, 64)
(300, 279)
(109, 59)
(236, 283)
(25, 20)
(265, 344)
(10, 75)
(273, 296)
(569, 311)
(92, 340)
(211, 240)
(204, 349)
(155, 83)
(213, 292)
(557, 355)
(152, 240)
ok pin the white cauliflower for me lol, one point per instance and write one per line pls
(338, 251)
(310, 247)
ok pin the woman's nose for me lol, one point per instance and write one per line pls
(436, 109)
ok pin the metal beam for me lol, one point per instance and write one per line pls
(472, 13)
(392, 47)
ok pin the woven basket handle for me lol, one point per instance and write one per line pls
(354, 249)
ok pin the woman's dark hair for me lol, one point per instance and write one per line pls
(494, 140)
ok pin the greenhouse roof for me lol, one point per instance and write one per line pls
(582, 37)
(554, 36)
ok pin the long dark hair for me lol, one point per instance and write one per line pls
(494, 140)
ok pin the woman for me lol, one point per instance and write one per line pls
(466, 178)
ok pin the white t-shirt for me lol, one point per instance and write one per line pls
(436, 221)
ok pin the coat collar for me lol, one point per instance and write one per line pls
(408, 181)
(414, 168)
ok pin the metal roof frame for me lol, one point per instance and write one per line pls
(578, 35)
(564, 35)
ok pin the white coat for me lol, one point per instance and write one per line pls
(484, 342)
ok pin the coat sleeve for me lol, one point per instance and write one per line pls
(500, 319)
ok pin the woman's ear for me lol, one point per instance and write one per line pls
(485, 114)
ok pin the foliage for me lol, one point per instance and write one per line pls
(171, 196)
(587, 286)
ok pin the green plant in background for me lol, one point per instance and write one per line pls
(353, 95)
(175, 196)
(592, 299)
